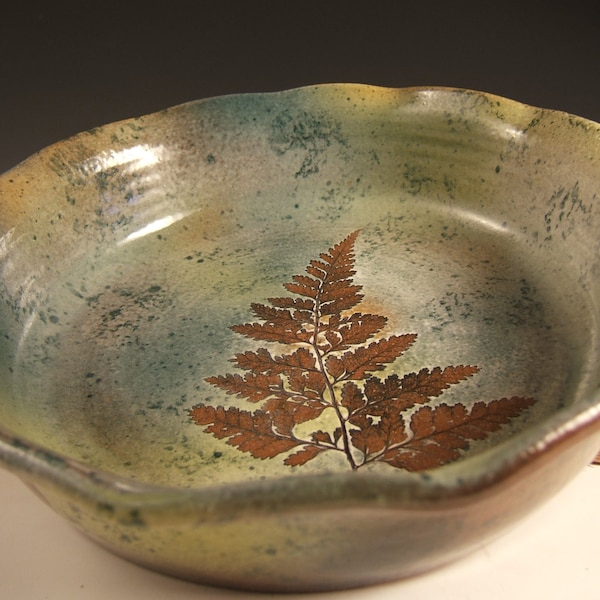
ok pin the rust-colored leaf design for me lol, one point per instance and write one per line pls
(250, 432)
(334, 354)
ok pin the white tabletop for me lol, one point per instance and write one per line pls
(553, 554)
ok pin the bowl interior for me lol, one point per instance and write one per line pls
(446, 236)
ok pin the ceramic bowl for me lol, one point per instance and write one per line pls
(307, 340)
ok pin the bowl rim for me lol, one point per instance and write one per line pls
(458, 484)
(508, 103)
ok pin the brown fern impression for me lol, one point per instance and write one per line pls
(333, 353)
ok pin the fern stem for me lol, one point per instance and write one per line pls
(330, 388)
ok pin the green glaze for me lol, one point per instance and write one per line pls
(128, 252)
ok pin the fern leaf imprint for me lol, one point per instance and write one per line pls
(331, 367)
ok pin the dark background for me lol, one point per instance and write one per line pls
(67, 67)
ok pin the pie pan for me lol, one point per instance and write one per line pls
(306, 340)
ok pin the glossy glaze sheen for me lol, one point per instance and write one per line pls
(128, 252)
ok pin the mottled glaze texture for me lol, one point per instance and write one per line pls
(129, 252)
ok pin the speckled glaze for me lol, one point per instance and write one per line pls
(128, 252)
